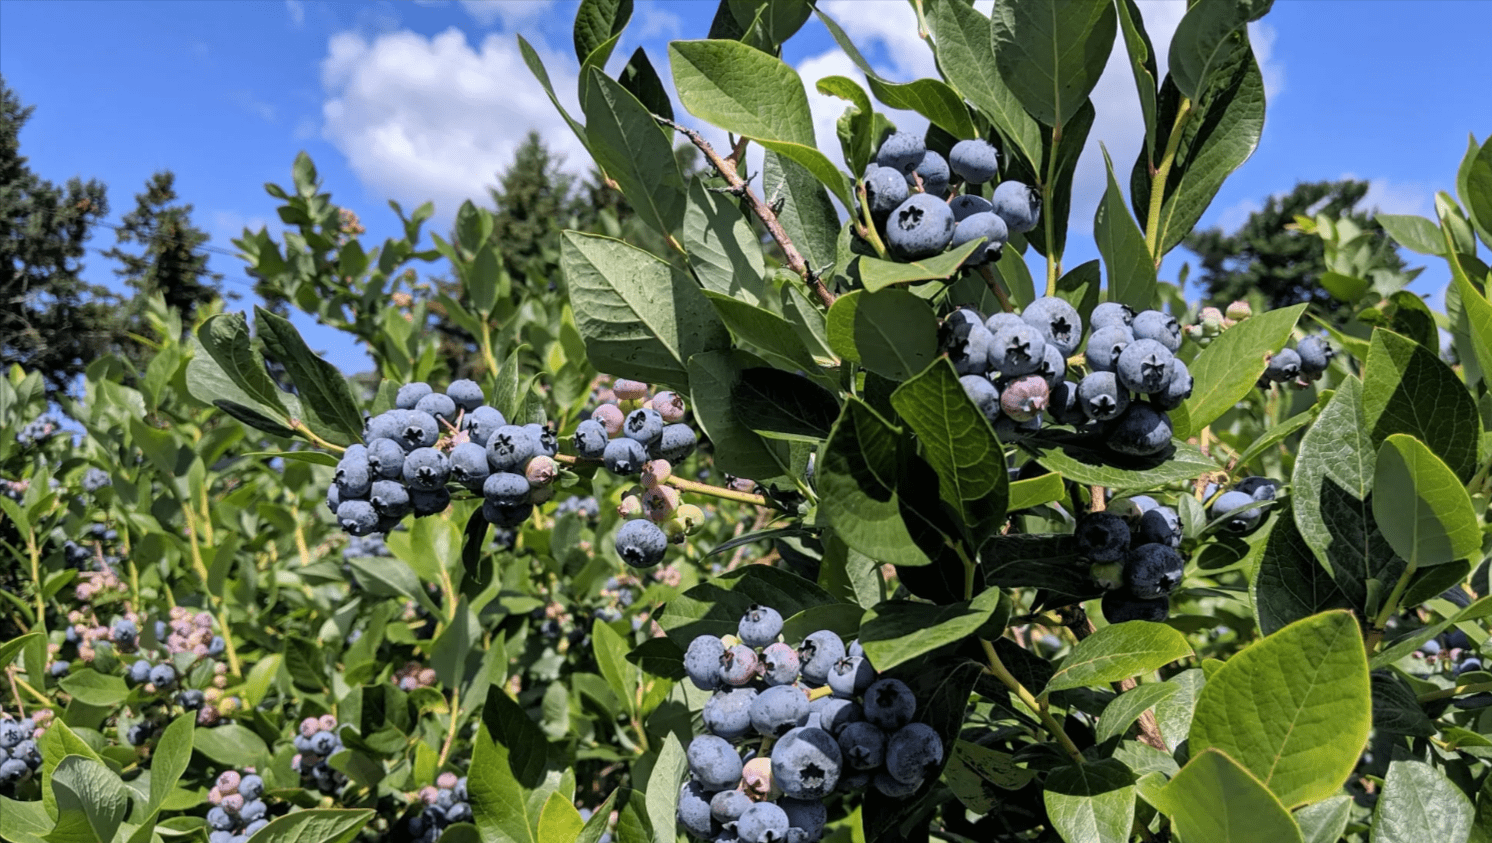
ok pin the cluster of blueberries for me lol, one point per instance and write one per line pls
(20, 755)
(441, 805)
(95, 479)
(81, 555)
(433, 438)
(635, 435)
(317, 741)
(413, 675)
(14, 489)
(1133, 549)
(1239, 506)
(1014, 368)
(1451, 647)
(39, 430)
(369, 545)
(238, 808)
(1299, 365)
(905, 191)
(811, 721)
(588, 508)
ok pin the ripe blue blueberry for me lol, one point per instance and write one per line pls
(466, 393)
(324, 742)
(1141, 431)
(410, 395)
(983, 393)
(510, 448)
(901, 152)
(1119, 606)
(481, 423)
(967, 205)
(932, 171)
(469, 465)
(863, 745)
(676, 443)
(889, 704)
(975, 161)
(1283, 366)
(763, 822)
(251, 787)
(694, 811)
(357, 517)
(1159, 326)
(1053, 365)
(885, 188)
(806, 763)
(390, 499)
(728, 713)
(702, 662)
(1145, 366)
(427, 503)
(1315, 355)
(505, 488)
(1057, 321)
(590, 439)
(421, 430)
(835, 713)
(1063, 405)
(353, 476)
(439, 405)
(253, 809)
(1153, 571)
(139, 672)
(641, 543)
(1258, 488)
(426, 469)
(817, 654)
(920, 227)
(1000, 321)
(1177, 390)
(967, 347)
(1161, 525)
(727, 806)
(714, 762)
(624, 456)
(1111, 313)
(1246, 517)
(778, 709)
(1017, 350)
(1103, 537)
(1018, 204)
(59, 669)
(219, 819)
(779, 663)
(386, 459)
(163, 676)
(807, 816)
(986, 225)
(1102, 397)
(914, 753)
(125, 631)
(760, 626)
(1104, 347)
(546, 443)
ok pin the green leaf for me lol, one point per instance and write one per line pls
(630, 148)
(212, 376)
(24, 822)
(1471, 321)
(560, 820)
(1221, 133)
(318, 825)
(597, 22)
(1407, 389)
(1119, 651)
(662, 797)
(1214, 799)
(1396, 708)
(1421, 506)
(448, 654)
(958, 441)
(640, 317)
(762, 328)
(1331, 490)
(877, 274)
(1057, 192)
(1051, 563)
(1231, 364)
(1292, 708)
(1092, 802)
(9, 649)
(1052, 52)
(856, 125)
(1141, 63)
(1208, 37)
(783, 405)
(1128, 706)
(232, 745)
(173, 752)
(86, 787)
(739, 450)
(967, 58)
(1414, 233)
(536, 67)
(897, 631)
(611, 658)
(989, 765)
(723, 250)
(1126, 257)
(1325, 821)
(892, 333)
(57, 743)
(519, 741)
(749, 93)
(808, 214)
(641, 80)
(1474, 184)
(1419, 803)
(93, 688)
(322, 388)
(1105, 468)
(715, 607)
(1035, 491)
(1289, 583)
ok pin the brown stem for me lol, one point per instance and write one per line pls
(996, 288)
(1081, 625)
(739, 187)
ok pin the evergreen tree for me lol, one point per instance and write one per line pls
(171, 261)
(1282, 264)
(50, 319)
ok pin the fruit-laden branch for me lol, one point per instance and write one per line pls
(739, 187)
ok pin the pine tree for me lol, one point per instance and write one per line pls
(171, 261)
(50, 319)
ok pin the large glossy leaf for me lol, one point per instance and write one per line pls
(629, 147)
(1407, 389)
(1289, 584)
(892, 333)
(1051, 52)
(536, 67)
(1128, 706)
(1141, 63)
(808, 214)
(1420, 804)
(1051, 563)
(597, 23)
(783, 405)
(1092, 466)
(723, 250)
(1325, 821)
(877, 274)
(232, 745)
(1474, 186)
(173, 752)
(1231, 364)
(1421, 506)
(93, 688)
(1119, 651)
(1214, 799)
(89, 797)
(1092, 802)
(1208, 38)
(1057, 191)
(898, 631)
(224, 372)
(713, 377)
(640, 317)
(662, 798)
(1131, 270)
(763, 329)
(318, 825)
(1292, 709)
(326, 399)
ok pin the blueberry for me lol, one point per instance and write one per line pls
(1017, 350)
(914, 753)
(901, 152)
(728, 713)
(975, 161)
(1018, 204)
(469, 465)
(1283, 366)
(850, 676)
(460, 812)
(920, 227)
(641, 543)
(191, 699)
(806, 818)
(714, 762)
(987, 225)
(505, 488)
(1024, 398)
(932, 170)
(779, 663)
(386, 459)
(817, 654)
(219, 819)
(510, 448)
(508, 516)
(482, 423)
(702, 662)
(835, 713)
(738, 665)
(254, 809)
(863, 745)
(1145, 366)
(139, 672)
(466, 394)
(779, 709)
(125, 631)
(1161, 525)
(1000, 321)
(889, 785)
(1315, 355)
(357, 517)
(590, 439)
(428, 503)
(1243, 520)
(547, 444)
(59, 669)
(410, 394)
(983, 393)
(439, 405)
(390, 499)
(676, 443)
(1063, 405)
(1103, 537)
(760, 626)
(624, 457)
(885, 188)
(1053, 365)
(967, 347)
(324, 743)
(1159, 326)
(967, 205)
(1153, 570)
(251, 787)
(1258, 488)
(1104, 347)
(353, 475)
(138, 734)
(1467, 665)
(1119, 607)
(1057, 321)
(694, 811)
(420, 430)
(889, 704)
(1111, 313)
(763, 822)
(1177, 390)
(1102, 397)
(727, 806)
(806, 763)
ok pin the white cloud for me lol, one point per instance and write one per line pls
(653, 20)
(297, 11)
(229, 225)
(432, 118)
(259, 108)
(512, 13)
(1386, 197)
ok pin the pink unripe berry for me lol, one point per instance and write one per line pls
(428, 794)
(629, 390)
(611, 417)
(660, 502)
(655, 472)
(233, 803)
(670, 405)
(630, 507)
(541, 470)
(309, 727)
(756, 778)
(1025, 398)
(228, 782)
(327, 722)
(446, 780)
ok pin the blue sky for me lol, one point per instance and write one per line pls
(427, 100)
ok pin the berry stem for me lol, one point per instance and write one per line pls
(445, 749)
(300, 427)
(739, 187)
(996, 287)
(1158, 181)
(1374, 634)
(1053, 257)
(998, 670)
(866, 227)
(687, 485)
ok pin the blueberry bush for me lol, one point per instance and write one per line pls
(826, 519)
